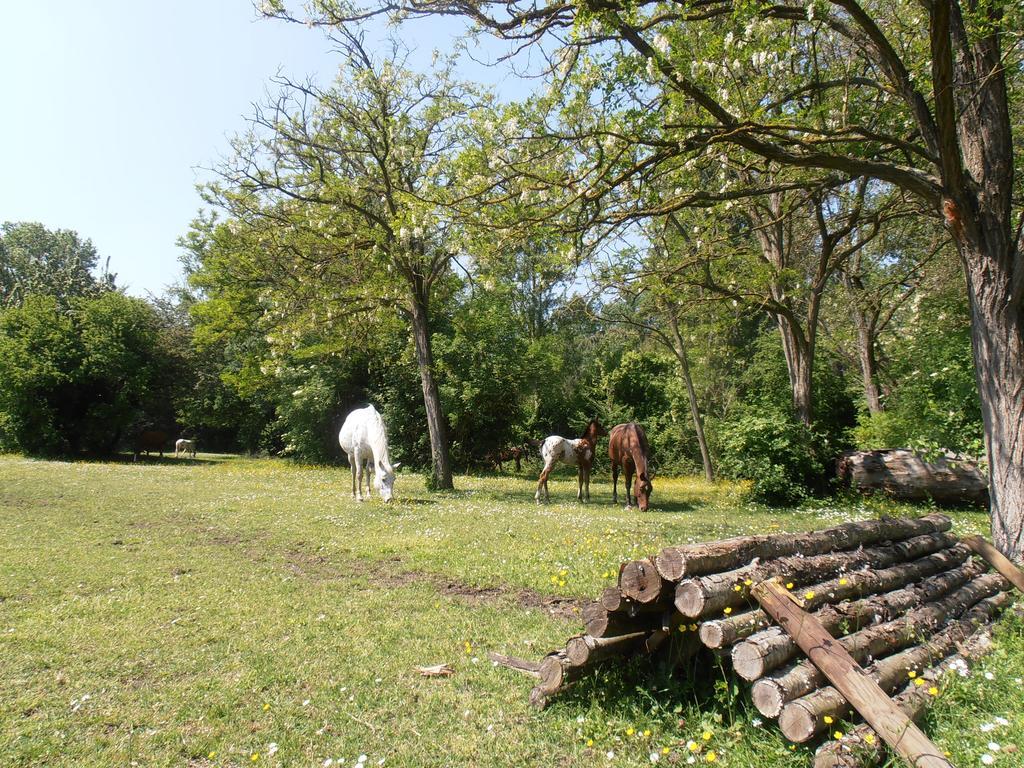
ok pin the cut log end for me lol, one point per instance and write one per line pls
(712, 634)
(690, 598)
(797, 723)
(748, 661)
(768, 697)
(640, 581)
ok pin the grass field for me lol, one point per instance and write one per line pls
(247, 612)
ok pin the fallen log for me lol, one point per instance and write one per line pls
(861, 747)
(640, 580)
(769, 649)
(674, 563)
(600, 622)
(772, 693)
(613, 601)
(706, 595)
(903, 474)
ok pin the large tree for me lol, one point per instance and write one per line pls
(915, 95)
(342, 191)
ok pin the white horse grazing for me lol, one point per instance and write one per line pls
(364, 440)
(183, 446)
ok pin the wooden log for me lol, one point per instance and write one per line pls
(675, 563)
(614, 601)
(861, 747)
(905, 475)
(720, 633)
(898, 730)
(585, 649)
(601, 623)
(804, 718)
(769, 649)
(997, 560)
(640, 580)
(797, 680)
(703, 596)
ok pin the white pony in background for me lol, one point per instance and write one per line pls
(364, 440)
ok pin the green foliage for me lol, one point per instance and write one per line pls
(932, 402)
(773, 450)
(78, 380)
(36, 261)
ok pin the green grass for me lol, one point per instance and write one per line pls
(158, 613)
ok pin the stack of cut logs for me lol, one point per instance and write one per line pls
(902, 596)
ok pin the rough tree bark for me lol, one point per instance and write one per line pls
(441, 464)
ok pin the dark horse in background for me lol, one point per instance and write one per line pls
(577, 453)
(628, 449)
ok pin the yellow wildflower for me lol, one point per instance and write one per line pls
(711, 756)
(693, 627)
(266, 707)
(630, 731)
(843, 582)
(255, 756)
(828, 719)
(838, 735)
(933, 691)
(911, 674)
(869, 738)
(647, 733)
(919, 682)
(693, 746)
(808, 594)
(747, 582)
(727, 611)
(707, 735)
(665, 750)
(789, 585)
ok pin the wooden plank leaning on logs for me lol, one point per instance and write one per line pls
(895, 727)
(772, 692)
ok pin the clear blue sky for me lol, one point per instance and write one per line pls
(111, 108)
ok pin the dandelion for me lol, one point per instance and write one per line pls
(211, 755)
(707, 735)
(665, 750)
(789, 585)
(828, 719)
(919, 682)
(737, 588)
(933, 691)
(711, 756)
(693, 746)
(630, 731)
(843, 582)
(266, 707)
(727, 611)
(869, 738)
(647, 733)
(808, 594)
(255, 756)
(747, 582)
(911, 674)
(838, 735)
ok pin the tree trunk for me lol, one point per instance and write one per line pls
(441, 464)
(698, 422)
(800, 364)
(996, 288)
(905, 475)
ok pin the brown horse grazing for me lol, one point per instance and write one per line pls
(627, 447)
(578, 453)
(515, 453)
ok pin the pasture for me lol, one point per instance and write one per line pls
(234, 611)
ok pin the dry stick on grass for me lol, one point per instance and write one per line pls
(871, 701)
(771, 694)
(769, 649)
(805, 718)
(861, 747)
(675, 563)
(707, 595)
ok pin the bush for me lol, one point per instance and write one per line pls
(774, 451)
